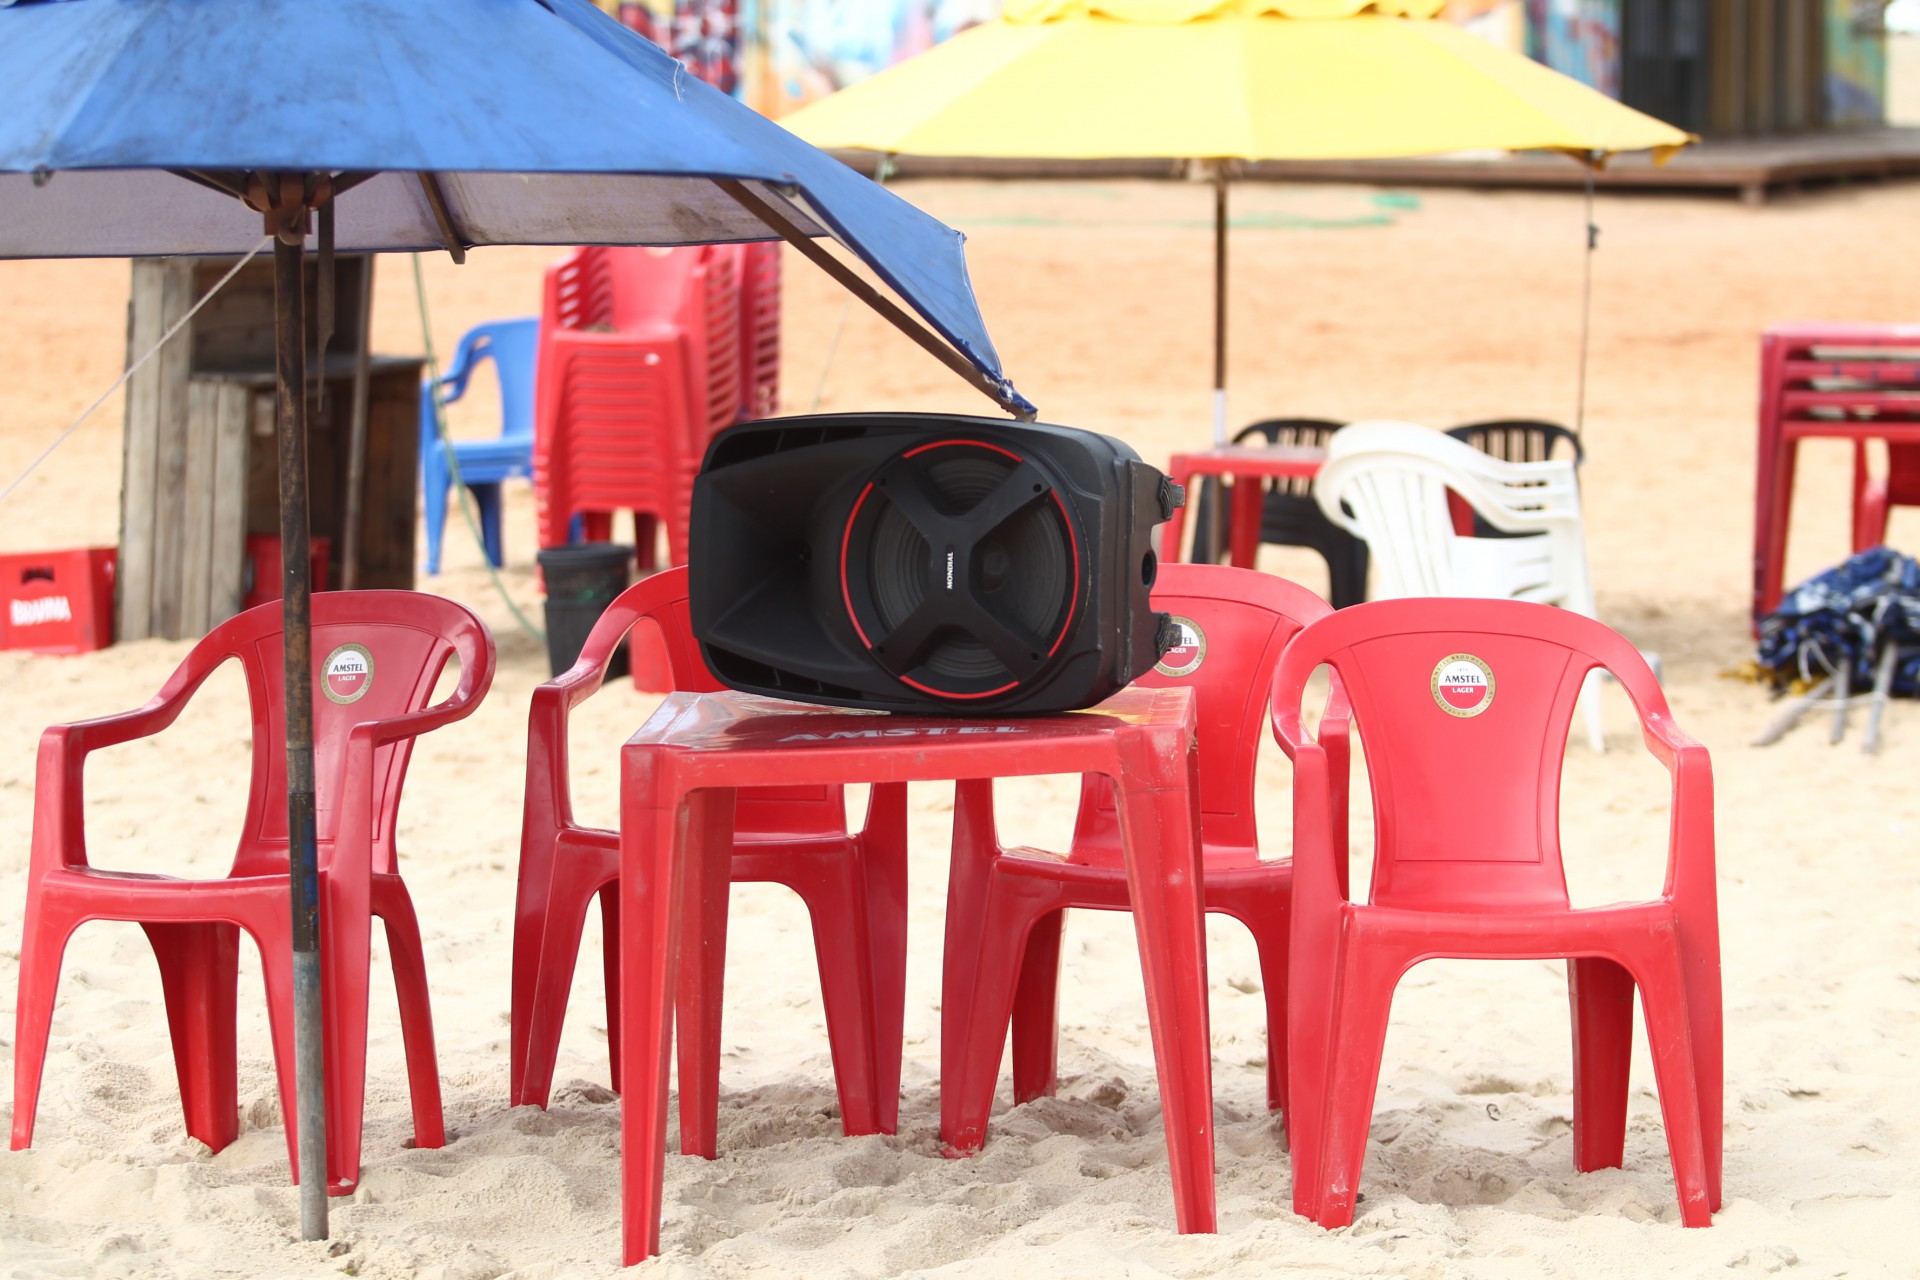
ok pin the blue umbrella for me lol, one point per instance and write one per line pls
(159, 127)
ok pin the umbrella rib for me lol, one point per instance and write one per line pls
(437, 199)
(888, 309)
(226, 185)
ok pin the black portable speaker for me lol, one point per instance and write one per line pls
(926, 562)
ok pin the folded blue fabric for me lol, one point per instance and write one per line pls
(1844, 618)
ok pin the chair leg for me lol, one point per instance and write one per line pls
(395, 909)
(42, 945)
(276, 974)
(973, 1036)
(1266, 910)
(200, 976)
(1363, 1003)
(1663, 1001)
(434, 483)
(1601, 993)
(610, 973)
(831, 885)
(486, 496)
(1036, 1012)
(346, 928)
(555, 952)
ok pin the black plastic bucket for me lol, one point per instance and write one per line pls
(582, 580)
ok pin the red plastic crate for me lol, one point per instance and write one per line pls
(57, 601)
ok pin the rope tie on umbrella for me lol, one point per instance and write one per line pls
(134, 367)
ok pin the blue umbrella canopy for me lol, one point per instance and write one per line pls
(161, 127)
(131, 125)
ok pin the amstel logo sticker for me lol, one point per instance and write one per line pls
(347, 674)
(1462, 685)
(1184, 658)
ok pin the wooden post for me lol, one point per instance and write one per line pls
(155, 457)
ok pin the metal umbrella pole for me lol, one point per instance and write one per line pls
(286, 200)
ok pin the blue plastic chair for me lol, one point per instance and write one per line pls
(511, 345)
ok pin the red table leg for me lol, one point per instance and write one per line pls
(1160, 821)
(648, 941)
(705, 890)
(1243, 536)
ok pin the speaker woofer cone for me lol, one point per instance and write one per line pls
(964, 577)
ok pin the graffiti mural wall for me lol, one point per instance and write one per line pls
(817, 46)
(1856, 63)
(1580, 38)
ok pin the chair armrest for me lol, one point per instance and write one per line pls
(1690, 855)
(452, 384)
(59, 828)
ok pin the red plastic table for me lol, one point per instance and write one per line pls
(677, 781)
(1877, 389)
(1250, 467)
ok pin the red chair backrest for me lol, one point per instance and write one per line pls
(1244, 619)
(1466, 796)
(389, 648)
(662, 598)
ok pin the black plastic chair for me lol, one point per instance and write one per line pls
(1516, 440)
(1290, 517)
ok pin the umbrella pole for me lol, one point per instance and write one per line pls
(1220, 304)
(296, 603)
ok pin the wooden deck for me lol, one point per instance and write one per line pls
(1752, 168)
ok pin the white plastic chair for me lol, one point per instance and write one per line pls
(1387, 482)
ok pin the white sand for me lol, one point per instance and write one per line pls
(1097, 295)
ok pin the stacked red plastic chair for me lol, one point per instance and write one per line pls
(640, 363)
(1004, 906)
(377, 655)
(1463, 706)
(760, 331)
(1857, 382)
(854, 885)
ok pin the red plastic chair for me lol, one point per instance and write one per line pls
(1464, 707)
(1874, 495)
(1004, 905)
(639, 364)
(854, 886)
(363, 734)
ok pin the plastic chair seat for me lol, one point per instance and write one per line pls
(1396, 485)
(853, 885)
(361, 751)
(510, 346)
(1486, 881)
(1004, 913)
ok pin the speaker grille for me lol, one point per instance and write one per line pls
(1013, 576)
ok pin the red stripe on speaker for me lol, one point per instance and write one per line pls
(1073, 546)
(846, 594)
(978, 444)
(942, 693)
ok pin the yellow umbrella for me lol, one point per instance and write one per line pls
(1223, 80)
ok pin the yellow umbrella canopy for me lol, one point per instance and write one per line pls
(1224, 80)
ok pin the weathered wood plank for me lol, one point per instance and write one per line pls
(196, 508)
(172, 365)
(160, 295)
(228, 550)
